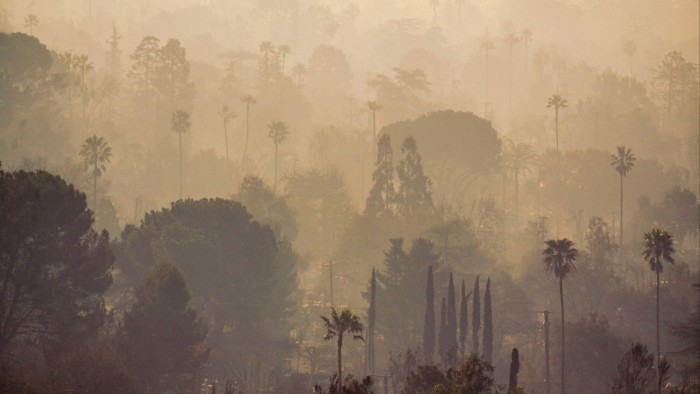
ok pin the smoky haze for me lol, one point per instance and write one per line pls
(495, 195)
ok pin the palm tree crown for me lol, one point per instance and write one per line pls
(180, 121)
(557, 102)
(338, 325)
(623, 161)
(658, 247)
(96, 152)
(278, 132)
(559, 256)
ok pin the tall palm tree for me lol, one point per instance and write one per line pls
(558, 257)
(486, 46)
(96, 153)
(227, 114)
(557, 102)
(180, 122)
(278, 134)
(658, 248)
(30, 21)
(248, 100)
(510, 39)
(336, 327)
(374, 106)
(283, 50)
(526, 37)
(518, 158)
(623, 163)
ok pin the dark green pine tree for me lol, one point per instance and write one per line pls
(476, 316)
(414, 187)
(463, 320)
(161, 335)
(488, 323)
(381, 199)
(429, 326)
(442, 339)
(391, 288)
(372, 316)
(451, 320)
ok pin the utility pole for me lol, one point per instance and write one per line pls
(546, 351)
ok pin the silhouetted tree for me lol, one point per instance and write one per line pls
(414, 187)
(248, 100)
(172, 75)
(374, 106)
(278, 132)
(162, 335)
(337, 326)
(476, 316)
(381, 199)
(180, 123)
(623, 163)
(443, 337)
(372, 317)
(658, 248)
(113, 57)
(557, 102)
(514, 369)
(54, 266)
(429, 324)
(488, 323)
(146, 59)
(463, 320)
(635, 372)
(227, 114)
(517, 159)
(630, 48)
(95, 153)
(510, 39)
(451, 320)
(487, 45)
(283, 50)
(29, 22)
(558, 257)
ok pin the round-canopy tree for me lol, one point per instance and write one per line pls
(53, 266)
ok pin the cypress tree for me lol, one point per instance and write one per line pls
(372, 316)
(514, 369)
(488, 323)
(476, 316)
(442, 340)
(451, 317)
(463, 320)
(429, 325)
(382, 196)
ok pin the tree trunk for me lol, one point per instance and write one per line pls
(340, 362)
(621, 210)
(226, 139)
(563, 342)
(180, 144)
(658, 338)
(274, 187)
(517, 181)
(94, 188)
(245, 147)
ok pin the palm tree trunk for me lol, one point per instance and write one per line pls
(374, 126)
(94, 189)
(510, 80)
(515, 175)
(226, 139)
(658, 338)
(621, 208)
(274, 187)
(563, 342)
(247, 128)
(340, 362)
(179, 137)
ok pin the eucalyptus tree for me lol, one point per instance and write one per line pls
(623, 162)
(278, 132)
(658, 248)
(248, 100)
(180, 123)
(95, 153)
(558, 257)
(337, 326)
